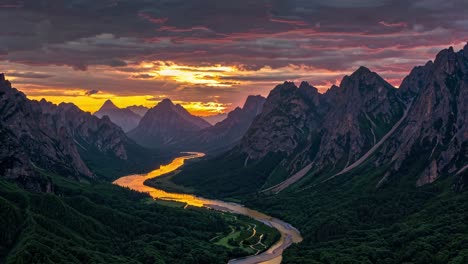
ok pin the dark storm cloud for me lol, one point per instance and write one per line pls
(91, 92)
(333, 34)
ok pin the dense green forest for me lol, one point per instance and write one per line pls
(350, 220)
(103, 223)
(225, 176)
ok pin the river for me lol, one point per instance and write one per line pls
(273, 255)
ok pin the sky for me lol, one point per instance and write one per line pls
(209, 55)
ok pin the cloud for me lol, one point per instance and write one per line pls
(104, 43)
(142, 76)
(30, 75)
(91, 92)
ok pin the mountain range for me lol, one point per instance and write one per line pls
(38, 135)
(305, 137)
(170, 126)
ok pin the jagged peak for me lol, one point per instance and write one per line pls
(108, 105)
(165, 102)
(333, 87)
(235, 111)
(253, 99)
(69, 107)
(284, 86)
(306, 85)
(3, 81)
(362, 71)
(443, 54)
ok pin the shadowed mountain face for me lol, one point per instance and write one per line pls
(303, 136)
(138, 109)
(213, 119)
(123, 117)
(165, 124)
(226, 133)
(61, 139)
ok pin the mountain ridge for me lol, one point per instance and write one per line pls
(325, 135)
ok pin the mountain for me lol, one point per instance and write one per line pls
(123, 117)
(227, 133)
(303, 136)
(38, 135)
(434, 136)
(166, 123)
(213, 119)
(138, 109)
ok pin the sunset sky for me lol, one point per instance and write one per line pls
(209, 55)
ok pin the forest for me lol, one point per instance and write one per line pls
(103, 223)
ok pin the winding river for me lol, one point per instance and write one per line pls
(273, 255)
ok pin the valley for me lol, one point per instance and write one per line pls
(288, 233)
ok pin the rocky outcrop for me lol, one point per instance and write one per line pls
(165, 124)
(123, 117)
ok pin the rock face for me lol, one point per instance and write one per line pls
(360, 112)
(50, 137)
(289, 113)
(123, 117)
(435, 133)
(228, 132)
(165, 124)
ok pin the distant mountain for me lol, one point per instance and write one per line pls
(165, 124)
(40, 136)
(138, 109)
(301, 134)
(213, 119)
(123, 117)
(226, 133)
